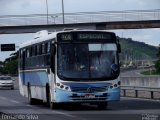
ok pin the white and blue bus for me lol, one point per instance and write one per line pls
(75, 66)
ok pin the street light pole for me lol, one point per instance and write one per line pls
(54, 18)
(47, 10)
(63, 11)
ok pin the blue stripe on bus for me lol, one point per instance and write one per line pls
(37, 78)
(87, 85)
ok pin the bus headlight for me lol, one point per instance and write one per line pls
(63, 87)
(115, 85)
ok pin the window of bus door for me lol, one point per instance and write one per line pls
(86, 61)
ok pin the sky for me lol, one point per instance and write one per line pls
(25, 7)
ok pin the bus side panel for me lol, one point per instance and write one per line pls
(21, 86)
(37, 81)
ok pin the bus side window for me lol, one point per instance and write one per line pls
(35, 50)
(53, 48)
(23, 58)
(27, 55)
(43, 48)
(40, 49)
(48, 47)
(30, 51)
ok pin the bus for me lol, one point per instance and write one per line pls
(73, 66)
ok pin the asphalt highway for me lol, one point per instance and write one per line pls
(13, 104)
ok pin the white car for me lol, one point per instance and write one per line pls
(6, 82)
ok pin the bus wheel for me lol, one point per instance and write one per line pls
(102, 106)
(30, 99)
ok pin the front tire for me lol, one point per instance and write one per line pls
(102, 106)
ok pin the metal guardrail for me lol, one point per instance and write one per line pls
(136, 90)
(141, 87)
(81, 17)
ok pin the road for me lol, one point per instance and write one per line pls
(132, 73)
(11, 102)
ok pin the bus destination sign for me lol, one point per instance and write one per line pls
(93, 36)
(84, 36)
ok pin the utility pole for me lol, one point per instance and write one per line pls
(47, 10)
(63, 11)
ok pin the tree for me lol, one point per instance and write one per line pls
(12, 67)
(157, 65)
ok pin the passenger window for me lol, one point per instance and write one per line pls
(43, 48)
(35, 50)
(48, 47)
(30, 51)
(40, 49)
(27, 55)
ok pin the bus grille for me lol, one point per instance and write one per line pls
(89, 89)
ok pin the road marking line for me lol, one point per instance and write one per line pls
(29, 105)
(65, 114)
(3, 98)
(15, 101)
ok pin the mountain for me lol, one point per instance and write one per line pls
(134, 50)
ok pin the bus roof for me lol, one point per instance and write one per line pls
(48, 36)
(39, 39)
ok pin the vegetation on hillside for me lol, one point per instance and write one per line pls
(135, 51)
(157, 65)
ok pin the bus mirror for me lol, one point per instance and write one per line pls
(119, 48)
(115, 69)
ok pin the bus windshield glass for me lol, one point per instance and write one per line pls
(87, 61)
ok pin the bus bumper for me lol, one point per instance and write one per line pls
(62, 96)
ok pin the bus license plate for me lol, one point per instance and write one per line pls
(89, 96)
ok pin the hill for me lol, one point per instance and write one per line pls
(134, 50)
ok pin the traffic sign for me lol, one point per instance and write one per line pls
(7, 47)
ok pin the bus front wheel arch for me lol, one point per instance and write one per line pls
(51, 104)
(30, 99)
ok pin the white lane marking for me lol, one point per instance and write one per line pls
(65, 114)
(29, 105)
(14, 101)
(3, 98)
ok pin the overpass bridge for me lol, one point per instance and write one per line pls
(135, 19)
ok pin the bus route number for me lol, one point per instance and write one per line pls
(66, 37)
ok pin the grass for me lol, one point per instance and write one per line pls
(150, 72)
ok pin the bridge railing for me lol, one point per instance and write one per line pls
(141, 87)
(81, 17)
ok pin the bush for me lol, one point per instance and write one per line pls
(157, 65)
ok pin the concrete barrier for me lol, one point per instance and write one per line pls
(141, 87)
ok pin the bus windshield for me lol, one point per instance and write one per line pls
(84, 61)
